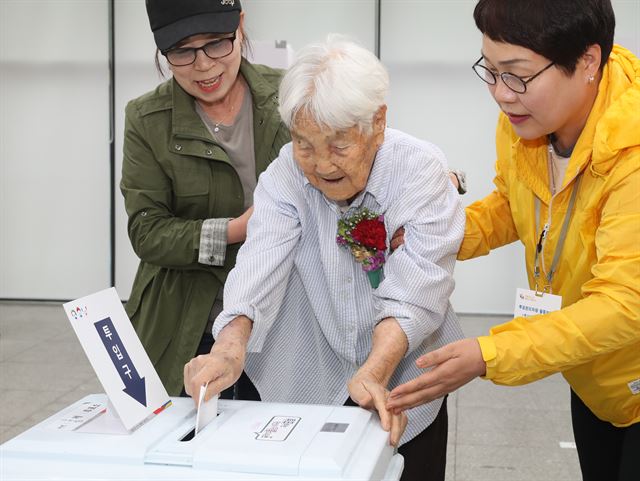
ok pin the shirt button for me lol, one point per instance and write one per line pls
(143, 213)
(349, 279)
(178, 147)
(208, 152)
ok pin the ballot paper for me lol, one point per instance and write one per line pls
(207, 411)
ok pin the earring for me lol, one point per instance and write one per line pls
(591, 78)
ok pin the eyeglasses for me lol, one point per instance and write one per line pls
(216, 49)
(513, 82)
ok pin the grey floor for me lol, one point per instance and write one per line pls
(495, 433)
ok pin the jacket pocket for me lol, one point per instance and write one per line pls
(191, 193)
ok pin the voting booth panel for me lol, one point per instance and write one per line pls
(246, 441)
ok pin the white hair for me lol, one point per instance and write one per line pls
(337, 83)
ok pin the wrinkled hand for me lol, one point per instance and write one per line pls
(220, 368)
(369, 393)
(454, 365)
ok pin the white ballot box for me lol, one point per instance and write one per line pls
(246, 441)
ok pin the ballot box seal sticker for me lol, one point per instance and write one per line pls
(278, 428)
(334, 428)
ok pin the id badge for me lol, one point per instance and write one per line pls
(529, 303)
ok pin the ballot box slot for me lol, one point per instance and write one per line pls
(192, 433)
(178, 446)
(189, 436)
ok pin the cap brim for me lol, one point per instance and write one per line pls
(222, 22)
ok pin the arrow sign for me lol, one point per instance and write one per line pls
(134, 384)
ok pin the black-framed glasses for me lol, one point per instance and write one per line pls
(216, 49)
(513, 82)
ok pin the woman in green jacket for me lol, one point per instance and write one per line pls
(193, 150)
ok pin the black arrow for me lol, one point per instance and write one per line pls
(134, 384)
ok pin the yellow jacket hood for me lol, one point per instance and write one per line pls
(618, 98)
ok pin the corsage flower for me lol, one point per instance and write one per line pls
(364, 234)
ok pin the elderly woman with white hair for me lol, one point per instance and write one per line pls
(317, 310)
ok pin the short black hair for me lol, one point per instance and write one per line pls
(560, 30)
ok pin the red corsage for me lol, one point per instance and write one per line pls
(365, 235)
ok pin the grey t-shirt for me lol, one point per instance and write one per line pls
(237, 141)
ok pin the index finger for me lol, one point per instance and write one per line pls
(379, 400)
(436, 357)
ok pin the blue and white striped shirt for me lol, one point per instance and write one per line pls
(312, 306)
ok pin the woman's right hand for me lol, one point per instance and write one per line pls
(223, 365)
(220, 368)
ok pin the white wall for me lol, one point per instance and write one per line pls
(135, 74)
(54, 168)
(54, 148)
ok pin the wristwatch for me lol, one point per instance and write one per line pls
(462, 181)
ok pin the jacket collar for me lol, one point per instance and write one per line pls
(185, 120)
(265, 95)
(266, 118)
(187, 123)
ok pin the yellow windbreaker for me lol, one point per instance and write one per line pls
(594, 340)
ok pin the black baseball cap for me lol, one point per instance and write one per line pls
(175, 20)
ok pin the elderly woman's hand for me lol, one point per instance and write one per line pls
(223, 365)
(220, 368)
(368, 392)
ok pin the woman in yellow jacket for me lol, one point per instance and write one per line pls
(568, 187)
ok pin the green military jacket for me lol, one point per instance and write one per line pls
(174, 176)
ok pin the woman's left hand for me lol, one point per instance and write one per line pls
(369, 393)
(397, 239)
(237, 228)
